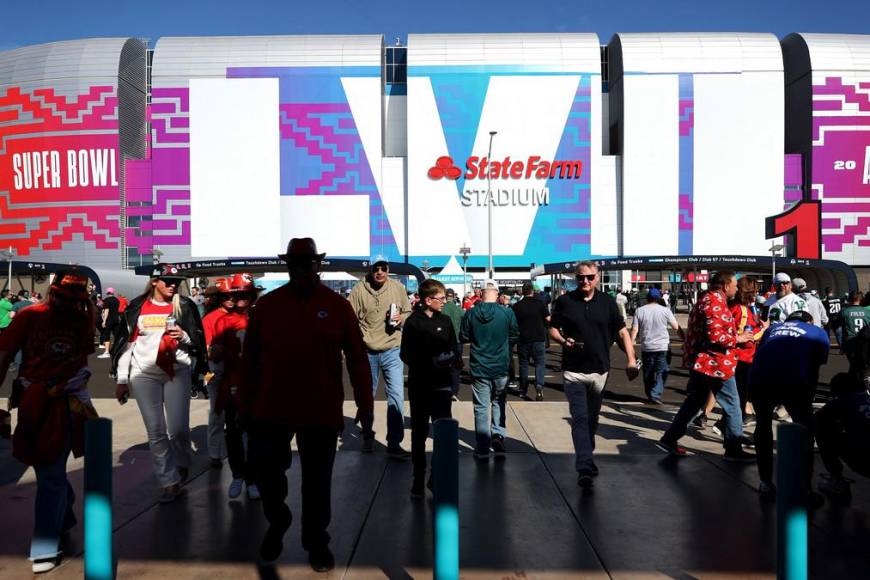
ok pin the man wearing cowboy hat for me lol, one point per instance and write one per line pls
(292, 386)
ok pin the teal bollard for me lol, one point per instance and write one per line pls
(445, 471)
(791, 513)
(98, 500)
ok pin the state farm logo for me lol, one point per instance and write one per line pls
(444, 167)
(482, 168)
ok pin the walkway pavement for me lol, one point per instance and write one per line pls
(649, 516)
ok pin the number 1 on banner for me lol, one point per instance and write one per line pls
(804, 222)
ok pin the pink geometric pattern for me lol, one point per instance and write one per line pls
(45, 218)
(158, 187)
(838, 165)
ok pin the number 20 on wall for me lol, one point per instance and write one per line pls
(851, 165)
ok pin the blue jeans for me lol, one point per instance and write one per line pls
(726, 394)
(537, 352)
(584, 392)
(489, 395)
(53, 512)
(388, 362)
(655, 372)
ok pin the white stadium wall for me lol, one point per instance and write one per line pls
(700, 118)
(697, 139)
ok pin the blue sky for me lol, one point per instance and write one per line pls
(27, 22)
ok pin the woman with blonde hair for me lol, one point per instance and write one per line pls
(158, 344)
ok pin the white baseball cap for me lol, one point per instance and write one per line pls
(781, 278)
(489, 282)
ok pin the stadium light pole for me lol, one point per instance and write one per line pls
(464, 251)
(774, 250)
(489, 201)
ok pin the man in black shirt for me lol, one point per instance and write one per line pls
(532, 318)
(586, 323)
(110, 320)
(833, 306)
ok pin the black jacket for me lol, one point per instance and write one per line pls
(190, 322)
(423, 340)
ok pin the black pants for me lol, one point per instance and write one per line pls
(741, 376)
(837, 445)
(269, 458)
(235, 444)
(425, 406)
(798, 401)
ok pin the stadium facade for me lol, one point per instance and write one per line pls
(112, 154)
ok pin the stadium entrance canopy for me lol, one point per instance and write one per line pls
(39, 272)
(819, 274)
(198, 268)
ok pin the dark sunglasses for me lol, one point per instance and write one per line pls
(302, 263)
(380, 268)
(170, 281)
(587, 277)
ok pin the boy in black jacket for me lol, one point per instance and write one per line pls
(428, 348)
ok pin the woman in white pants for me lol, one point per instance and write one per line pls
(158, 345)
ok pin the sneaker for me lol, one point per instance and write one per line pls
(654, 401)
(594, 470)
(104, 355)
(767, 491)
(781, 414)
(321, 559)
(585, 479)
(498, 445)
(481, 456)
(43, 565)
(525, 397)
(454, 398)
(169, 493)
(368, 444)
(273, 542)
(718, 427)
(836, 487)
(235, 489)
(417, 489)
(698, 422)
(749, 420)
(539, 394)
(738, 455)
(672, 448)
(253, 492)
(396, 452)
(747, 440)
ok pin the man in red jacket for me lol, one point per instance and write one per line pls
(292, 386)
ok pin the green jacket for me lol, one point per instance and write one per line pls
(5, 309)
(454, 312)
(491, 329)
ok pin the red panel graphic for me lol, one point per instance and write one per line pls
(804, 222)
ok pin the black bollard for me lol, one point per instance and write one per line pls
(98, 499)
(792, 473)
(445, 471)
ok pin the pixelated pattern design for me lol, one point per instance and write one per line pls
(158, 187)
(50, 212)
(564, 227)
(841, 166)
(687, 163)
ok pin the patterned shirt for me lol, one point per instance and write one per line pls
(711, 339)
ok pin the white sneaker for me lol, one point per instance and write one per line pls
(236, 488)
(253, 492)
(44, 565)
(104, 355)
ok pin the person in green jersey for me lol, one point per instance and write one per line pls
(854, 318)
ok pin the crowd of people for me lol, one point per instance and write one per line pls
(266, 386)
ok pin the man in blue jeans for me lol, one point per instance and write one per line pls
(492, 330)
(651, 322)
(532, 317)
(382, 306)
(711, 353)
(586, 323)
